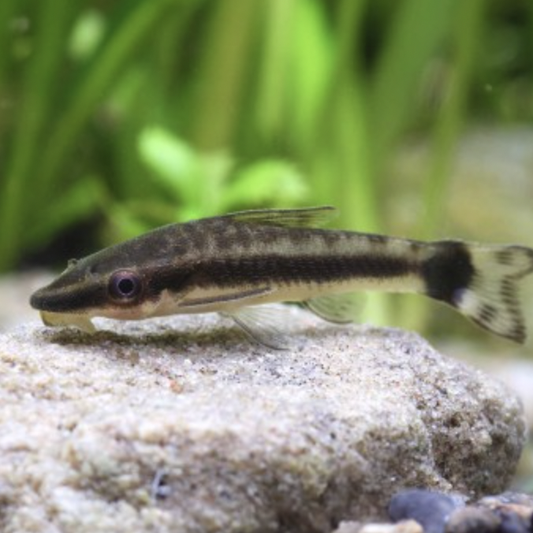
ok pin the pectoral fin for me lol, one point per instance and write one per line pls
(336, 308)
(237, 296)
(262, 324)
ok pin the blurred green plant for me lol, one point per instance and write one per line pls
(202, 186)
(133, 113)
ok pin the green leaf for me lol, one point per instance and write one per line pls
(174, 164)
(130, 24)
(123, 224)
(87, 34)
(417, 30)
(270, 181)
(312, 59)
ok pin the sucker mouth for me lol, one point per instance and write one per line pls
(82, 322)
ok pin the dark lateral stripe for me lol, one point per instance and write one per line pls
(271, 269)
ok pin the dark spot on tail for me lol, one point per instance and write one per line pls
(448, 271)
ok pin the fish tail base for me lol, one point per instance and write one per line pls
(482, 283)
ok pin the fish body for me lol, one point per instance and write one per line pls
(232, 262)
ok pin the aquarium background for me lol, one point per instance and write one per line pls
(414, 118)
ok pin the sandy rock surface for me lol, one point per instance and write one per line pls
(181, 425)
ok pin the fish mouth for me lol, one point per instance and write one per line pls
(42, 300)
(56, 320)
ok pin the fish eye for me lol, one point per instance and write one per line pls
(124, 285)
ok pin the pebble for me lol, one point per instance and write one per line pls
(437, 512)
(473, 520)
(514, 511)
(513, 523)
(430, 509)
(405, 526)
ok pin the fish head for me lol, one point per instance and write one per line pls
(106, 284)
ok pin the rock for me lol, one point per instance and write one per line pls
(430, 509)
(179, 425)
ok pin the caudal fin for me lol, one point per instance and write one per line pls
(482, 283)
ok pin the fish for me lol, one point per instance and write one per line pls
(235, 263)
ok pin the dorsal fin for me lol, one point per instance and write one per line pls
(308, 217)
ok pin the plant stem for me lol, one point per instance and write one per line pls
(41, 77)
(448, 126)
(7, 14)
(128, 31)
(465, 39)
(271, 101)
(222, 76)
(417, 30)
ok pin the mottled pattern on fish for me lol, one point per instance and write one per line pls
(234, 261)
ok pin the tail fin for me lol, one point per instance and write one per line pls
(481, 282)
